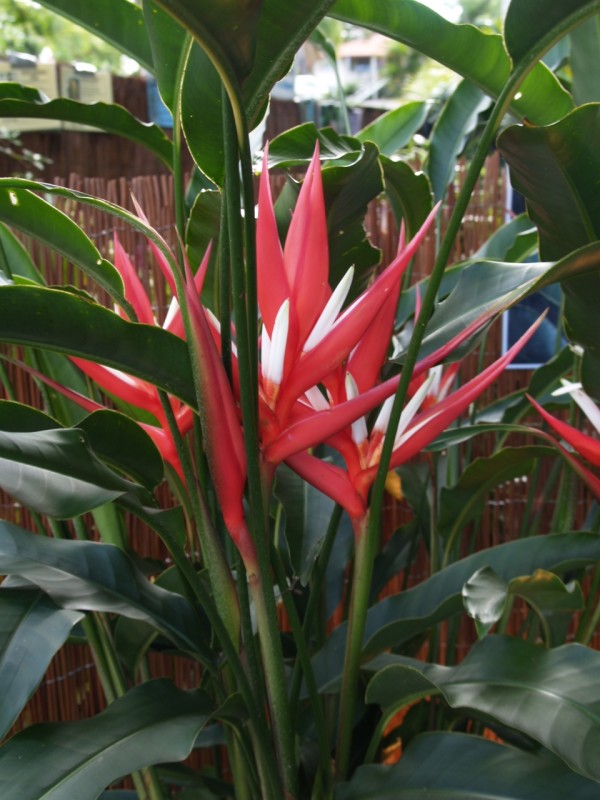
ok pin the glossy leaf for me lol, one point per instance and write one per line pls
(24, 101)
(119, 23)
(15, 261)
(470, 52)
(169, 43)
(32, 215)
(225, 28)
(585, 62)
(88, 576)
(557, 169)
(63, 322)
(529, 21)
(464, 501)
(307, 514)
(485, 288)
(456, 121)
(550, 695)
(394, 129)
(444, 766)
(487, 597)
(513, 241)
(408, 193)
(399, 618)
(120, 442)
(32, 630)
(296, 147)
(203, 228)
(56, 473)
(153, 723)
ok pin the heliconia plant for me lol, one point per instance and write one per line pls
(291, 382)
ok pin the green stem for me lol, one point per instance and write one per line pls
(364, 556)
(244, 299)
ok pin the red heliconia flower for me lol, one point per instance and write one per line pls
(133, 390)
(306, 337)
(428, 413)
(586, 446)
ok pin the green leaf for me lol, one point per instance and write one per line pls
(202, 114)
(15, 261)
(463, 502)
(515, 238)
(169, 42)
(22, 101)
(63, 322)
(530, 21)
(121, 443)
(56, 473)
(153, 723)
(585, 62)
(448, 766)
(32, 630)
(88, 576)
(307, 514)
(550, 695)
(485, 288)
(32, 215)
(394, 130)
(456, 121)
(486, 597)
(225, 28)
(296, 147)
(399, 618)
(470, 52)
(408, 192)
(557, 169)
(203, 228)
(119, 23)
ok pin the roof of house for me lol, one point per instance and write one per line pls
(376, 45)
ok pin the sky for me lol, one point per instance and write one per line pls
(450, 9)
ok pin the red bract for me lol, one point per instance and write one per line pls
(133, 390)
(422, 420)
(306, 338)
(586, 446)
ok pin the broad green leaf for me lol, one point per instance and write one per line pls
(203, 227)
(15, 261)
(120, 23)
(153, 723)
(464, 501)
(307, 514)
(487, 597)
(408, 193)
(56, 473)
(585, 61)
(530, 21)
(557, 169)
(121, 443)
(514, 238)
(88, 576)
(449, 766)
(456, 121)
(394, 129)
(485, 288)
(550, 695)
(225, 28)
(63, 322)
(296, 147)
(32, 215)
(484, 597)
(399, 618)
(202, 114)
(32, 630)
(24, 101)
(169, 43)
(475, 55)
